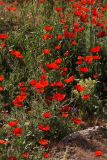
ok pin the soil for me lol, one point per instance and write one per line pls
(82, 145)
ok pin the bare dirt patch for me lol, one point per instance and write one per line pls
(82, 145)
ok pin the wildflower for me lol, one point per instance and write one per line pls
(41, 84)
(66, 53)
(17, 54)
(44, 128)
(13, 123)
(66, 108)
(19, 99)
(3, 36)
(1, 78)
(57, 84)
(69, 80)
(86, 97)
(47, 36)
(88, 59)
(11, 8)
(83, 69)
(3, 45)
(46, 51)
(17, 103)
(101, 34)
(17, 131)
(25, 155)
(98, 153)
(59, 97)
(59, 37)
(21, 84)
(96, 57)
(47, 115)
(65, 114)
(43, 142)
(3, 141)
(74, 43)
(58, 61)
(57, 47)
(46, 155)
(12, 158)
(79, 88)
(48, 28)
(52, 66)
(76, 120)
(96, 49)
(2, 3)
(58, 9)
(1, 88)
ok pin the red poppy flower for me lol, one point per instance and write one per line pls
(59, 97)
(83, 69)
(96, 49)
(62, 21)
(96, 57)
(64, 69)
(17, 103)
(44, 128)
(1, 88)
(25, 155)
(41, 84)
(101, 34)
(58, 61)
(76, 120)
(98, 153)
(3, 45)
(3, 36)
(12, 158)
(21, 98)
(47, 115)
(84, 17)
(33, 82)
(43, 142)
(2, 3)
(65, 114)
(58, 9)
(1, 78)
(17, 54)
(79, 88)
(46, 155)
(21, 84)
(74, 43)
(13, 123)
(57, 47)
(48, 28)
(17, 131)
(46, 51)
(66, 53)
(52, 66)
(59, 37)
(79, 62)
(57, 84)
(64, 73)
(88, 59)
(11, 8)
(23, 89)
(3, 141)
(47, 36)
(83, 2)
(66, 109)
(69, 80)
(86, 97)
